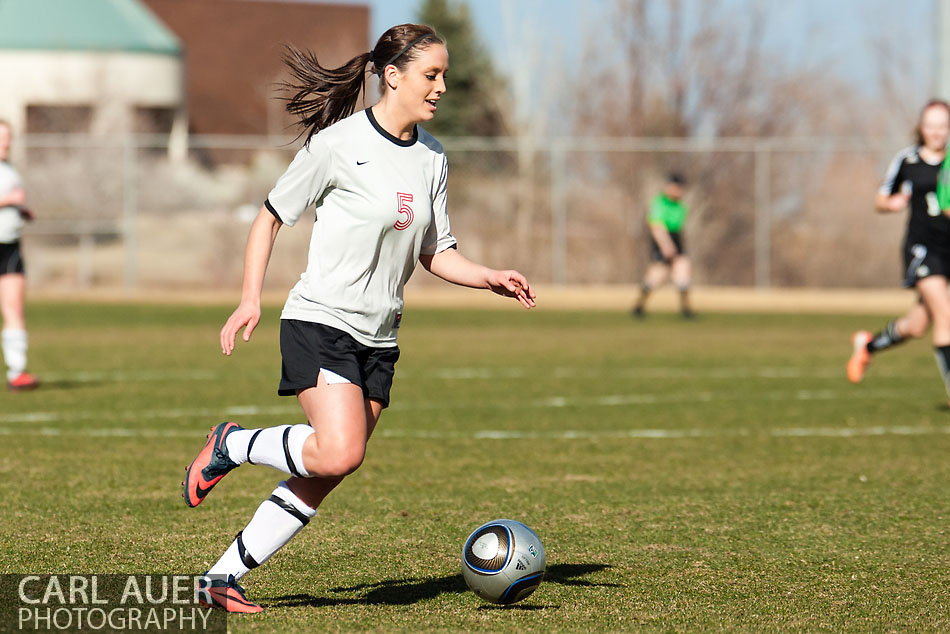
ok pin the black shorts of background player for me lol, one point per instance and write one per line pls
(378, 182)
(666, 221)
(656, 251)
(911, 180)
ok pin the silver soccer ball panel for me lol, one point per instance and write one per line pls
(503, 561)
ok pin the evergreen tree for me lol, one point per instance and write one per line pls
(470, 105)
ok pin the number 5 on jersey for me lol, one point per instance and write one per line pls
(405, 210)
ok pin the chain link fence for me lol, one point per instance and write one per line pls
(117, 213)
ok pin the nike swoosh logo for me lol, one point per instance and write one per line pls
(362, 162)
(200, 492)
(236, 598)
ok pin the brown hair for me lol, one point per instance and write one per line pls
(322, 96)
(933, 103)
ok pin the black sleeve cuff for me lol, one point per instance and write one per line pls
(273, 211)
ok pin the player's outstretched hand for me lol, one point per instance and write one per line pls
(512, 284)
(245, 316)
(26, 213)
(898, 202)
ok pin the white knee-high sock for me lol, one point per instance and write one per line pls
(279, 447)
(14, 352)
(277, 520)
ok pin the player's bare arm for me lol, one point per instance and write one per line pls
(662, 237)
(891, 204)
(452, 266)
(16, 197)
(260, 243)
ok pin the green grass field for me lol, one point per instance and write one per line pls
(718, 474)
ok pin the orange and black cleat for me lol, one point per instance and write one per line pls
(23, 382)
(210, 466)
(860, 357)
(224, 593)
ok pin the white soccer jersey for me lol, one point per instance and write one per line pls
(11, 222)
(380, 203)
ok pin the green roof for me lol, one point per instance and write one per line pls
(84, 25)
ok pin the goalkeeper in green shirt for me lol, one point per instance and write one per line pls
(666, 220)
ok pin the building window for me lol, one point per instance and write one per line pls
(153, 120)
(58, 119)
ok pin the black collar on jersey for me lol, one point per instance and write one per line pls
(388, 136)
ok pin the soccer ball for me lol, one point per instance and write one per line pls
(503, 561)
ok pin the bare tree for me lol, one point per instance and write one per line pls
(688, 68)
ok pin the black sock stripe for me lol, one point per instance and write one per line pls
(251, 444)
(290, 462)
(892, 332)
(885, 339)
(242, 551)
(290, 508)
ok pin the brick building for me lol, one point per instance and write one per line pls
(232, 53)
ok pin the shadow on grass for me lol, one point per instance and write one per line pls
(412, 590)
(64, 384)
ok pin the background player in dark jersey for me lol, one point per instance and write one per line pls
(911, 179)
(667, 220)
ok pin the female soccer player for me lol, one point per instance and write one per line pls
(378, 181)
(13, 215)
(911, 179)
(667, 219)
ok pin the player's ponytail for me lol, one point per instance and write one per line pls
(322, 96)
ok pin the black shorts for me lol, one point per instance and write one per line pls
(307, 347)
(11, 260)
(921, 260)
(656, 254)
